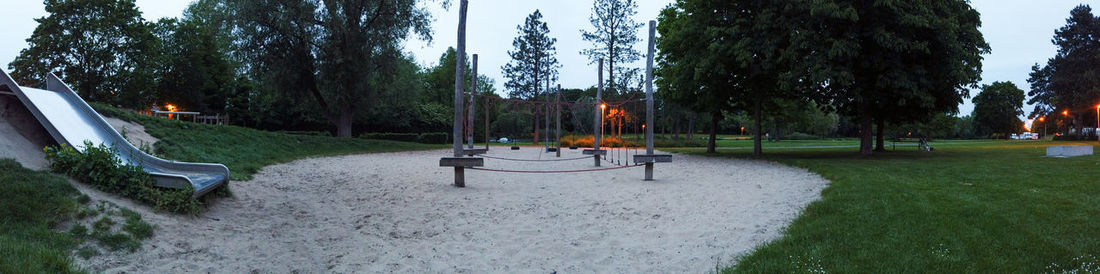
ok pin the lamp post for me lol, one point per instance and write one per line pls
(603, 106)
(1065, 114)
(1097, 122)
(1044, 121)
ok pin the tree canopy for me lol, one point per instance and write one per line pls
(892, 60)
(1070, 81)
(337, 53)
(103, 48)
(613, 37)
(996, 109)
(533, 62)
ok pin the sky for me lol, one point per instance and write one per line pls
(1018, 31)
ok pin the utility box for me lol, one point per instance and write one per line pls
(1068, 151)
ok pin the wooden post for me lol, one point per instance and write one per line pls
(460, 72)
(598, 115)
(471, 107)
(488, 107)
(649, 101)
(546, 107)
(557, 104)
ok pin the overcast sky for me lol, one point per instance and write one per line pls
(1019, 31)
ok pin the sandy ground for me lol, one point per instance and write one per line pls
(135, 133)
(398, 213)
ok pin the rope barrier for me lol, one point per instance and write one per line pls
(552, 171)
(531, 160)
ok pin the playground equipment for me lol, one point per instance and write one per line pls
(461, 163)
(70, 120)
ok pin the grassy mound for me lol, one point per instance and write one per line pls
(34, 204)
(245, 151)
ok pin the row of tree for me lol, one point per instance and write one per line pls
(1068, 85)
(880, 61)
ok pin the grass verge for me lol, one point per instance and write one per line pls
(34, 204)
(245, 151)
(979, 207)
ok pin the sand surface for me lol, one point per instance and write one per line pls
(398, 213)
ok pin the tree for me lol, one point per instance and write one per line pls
(613, 38)
(533, 62)
(102, 47)
(1070, 79)
(200, 73)
(996, 109)
(702, 68)
(891, 60)
(338, 53)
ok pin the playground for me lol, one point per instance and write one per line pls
(393, 212)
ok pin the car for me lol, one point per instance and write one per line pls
(504, 140)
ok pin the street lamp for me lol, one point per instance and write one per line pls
(603, 106)
(1044, 121)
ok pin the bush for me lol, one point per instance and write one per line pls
(801, 136)
(434, 138)
(425, 138)
(100, 167)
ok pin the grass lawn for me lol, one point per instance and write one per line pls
(976, 206)
(245, 151)
(33, 204)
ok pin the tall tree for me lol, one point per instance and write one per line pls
(996, 109)
(338, 53)
(702, 68)
(533, 63)
(1071, 79)
(102, 47)
(892, 60)
(613, 38)
(200, 72)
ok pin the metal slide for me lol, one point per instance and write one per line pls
(72, 121)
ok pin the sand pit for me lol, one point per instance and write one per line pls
(397, 213)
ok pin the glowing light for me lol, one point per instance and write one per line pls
(603, 106)
(1042, 119)
(170, 107)
(1065, 113)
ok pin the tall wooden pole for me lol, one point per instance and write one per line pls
(546, 107)
(460, 72)
(599, 112)
(598, 115)
(470, 109)
(557, 131)
(649, 100)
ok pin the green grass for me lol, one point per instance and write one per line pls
(245, 151)
(978, 206)
(33, 204)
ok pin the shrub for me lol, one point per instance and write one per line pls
(425, 138)
(434, 137)
(801, 136)
(100, 167)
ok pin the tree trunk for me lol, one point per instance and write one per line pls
(536, 124)
(714, 116)
(757, 146)
(880, 137)
(865, 133)
(1077, 124)
(691, 126)
(343, 126)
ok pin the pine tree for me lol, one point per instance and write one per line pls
(533, 63)
(613, 39)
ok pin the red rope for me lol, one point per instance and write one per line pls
(532, 160)
(552, 171)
